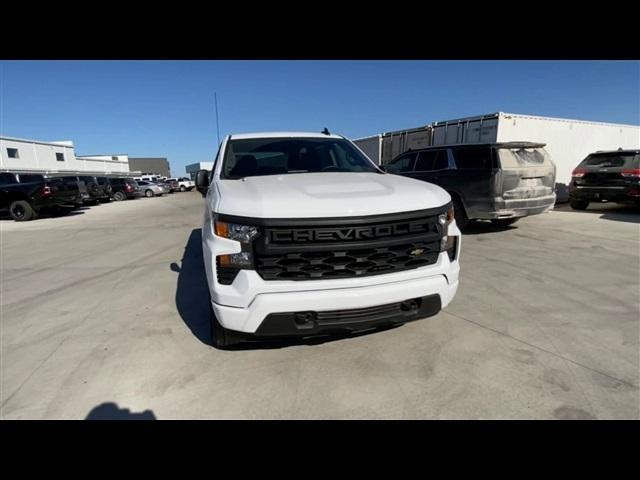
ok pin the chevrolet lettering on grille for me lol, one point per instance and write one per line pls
(348, 233)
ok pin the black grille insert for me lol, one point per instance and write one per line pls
(312, 253)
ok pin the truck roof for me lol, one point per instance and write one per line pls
(242, 136)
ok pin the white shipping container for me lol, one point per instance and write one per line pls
(386, 146)
(371, 147)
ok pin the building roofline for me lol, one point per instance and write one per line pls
(104, 155)
(39, 142)
(535, 117)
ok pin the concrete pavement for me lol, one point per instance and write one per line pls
(109, 306)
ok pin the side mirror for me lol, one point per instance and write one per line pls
(202, 182)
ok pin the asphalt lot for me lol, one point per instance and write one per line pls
(108, 305)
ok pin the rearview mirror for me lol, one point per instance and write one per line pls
(202, 182)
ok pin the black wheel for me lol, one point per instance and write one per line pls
(504, 222)
(22, 211)
(119, 196)
(220, 336)
(148, 193)
(183, 188)
(578, 204)
(460, 214)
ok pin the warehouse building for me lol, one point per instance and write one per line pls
(567, 141)
(193, 168)
(109, 163)
(17, 154)
(151, 166)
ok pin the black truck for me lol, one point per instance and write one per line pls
(25, 195)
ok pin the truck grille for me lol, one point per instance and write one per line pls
(344, 250)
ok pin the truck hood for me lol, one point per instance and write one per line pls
(325, 194)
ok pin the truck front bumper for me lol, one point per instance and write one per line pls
(339, 309)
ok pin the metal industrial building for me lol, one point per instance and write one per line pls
(18, 154)
(151, 165)
(193, 168)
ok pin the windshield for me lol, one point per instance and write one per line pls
(612, 160)
(279, 156)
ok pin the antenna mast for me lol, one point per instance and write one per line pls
(215, 96)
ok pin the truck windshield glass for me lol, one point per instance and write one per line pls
(279, 156)
(612, 160)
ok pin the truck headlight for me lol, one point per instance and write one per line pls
(448, 243)
(229, 265)
(238, 260)
(233, 231)
(446, 218)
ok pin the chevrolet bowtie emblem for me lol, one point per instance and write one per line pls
(417, 251)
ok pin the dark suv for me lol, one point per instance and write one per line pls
(123, 188)
(85, 197)
(501, 182)
(107, 190)
(95, 190)
(611, 176)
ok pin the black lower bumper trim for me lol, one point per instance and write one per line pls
(308, 323)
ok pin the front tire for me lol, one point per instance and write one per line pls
(22, 211)
(148, 193)
(119, 196)
(460, 214)
(578, 204)
(183, 188)
(504, 222)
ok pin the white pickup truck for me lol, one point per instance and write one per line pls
(304, 235)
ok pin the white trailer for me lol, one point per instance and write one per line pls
(386, 146)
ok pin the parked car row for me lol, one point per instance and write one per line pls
(26, 195)
(182, 184)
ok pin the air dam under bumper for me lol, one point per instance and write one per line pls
(249, 320)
